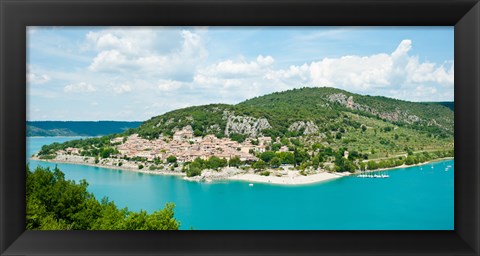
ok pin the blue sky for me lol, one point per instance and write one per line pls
(134, 73)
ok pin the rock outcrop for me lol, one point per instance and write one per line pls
(394, 116)
(245, 125)
(308, 127)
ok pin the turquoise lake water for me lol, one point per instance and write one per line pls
(414, 198)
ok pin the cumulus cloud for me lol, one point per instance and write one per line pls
(110, 60)
(81, 87)
(122, 88)
(169, 85)
(381, 73)
(228, 70)
(137, 51)
(366, 73)
(127, 41)
(37, 78)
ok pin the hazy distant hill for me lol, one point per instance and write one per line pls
(77, 128)
(448, 104)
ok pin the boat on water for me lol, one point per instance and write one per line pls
(375, 176)
(250, 185)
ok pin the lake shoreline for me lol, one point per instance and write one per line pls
(406, 166)
(118, 168)
(288, 177)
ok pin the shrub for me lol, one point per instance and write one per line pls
(47, 157)
(265, 173)
(171, 159)
(194, 171)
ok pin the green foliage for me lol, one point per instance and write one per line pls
(106, 152)
(234, 162)
(171, 159)
(364, 128)
(276, 146)
(54, 203)
(275, 162)
(344, 165)
(47, 157)
(238, 137)
(194, 171)
(301, 156)
(267, 156)
(216, 163)
(140, 166)
(296, 142)
(265, 173)
(338, 136)
(259, 165)
(286, 157)
(372, 165)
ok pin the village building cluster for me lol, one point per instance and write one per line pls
(186, 147)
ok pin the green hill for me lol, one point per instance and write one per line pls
(310, 120)
(319, 109)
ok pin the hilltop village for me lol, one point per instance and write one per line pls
(186, 148)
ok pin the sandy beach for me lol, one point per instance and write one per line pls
(293, 178)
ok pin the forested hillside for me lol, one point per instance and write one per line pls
(302, 112)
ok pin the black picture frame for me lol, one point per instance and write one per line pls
(15, 15)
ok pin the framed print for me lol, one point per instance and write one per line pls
(239, 127)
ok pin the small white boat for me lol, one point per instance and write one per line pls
(250, 185)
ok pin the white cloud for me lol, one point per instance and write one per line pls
(137, 52)
(380, 74)
(127, 41)
(265, 61)
(33, 78)
(81, 87)
(233, 69)
(122, 88)
(367, 73)
(169, 85)
(109, 60)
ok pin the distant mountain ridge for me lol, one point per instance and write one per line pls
(77, 128)
(448, 104)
